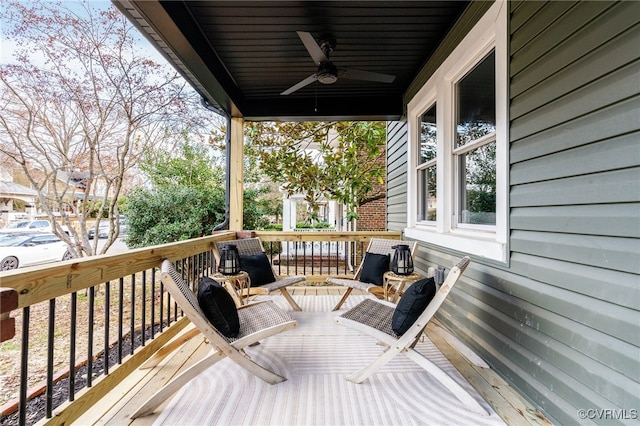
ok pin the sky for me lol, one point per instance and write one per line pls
(7, 47)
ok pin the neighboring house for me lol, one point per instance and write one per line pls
(9, 192)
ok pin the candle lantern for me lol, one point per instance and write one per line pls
(402, 263)
(229, 260)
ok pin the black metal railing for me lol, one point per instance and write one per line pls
(86, 317)
(134, 310)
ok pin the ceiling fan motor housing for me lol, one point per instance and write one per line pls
(327, 73)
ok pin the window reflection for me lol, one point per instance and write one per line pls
(476, 103)
(427, 201)
(478, 186)
(428, 135)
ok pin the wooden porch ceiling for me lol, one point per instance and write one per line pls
(241, 55)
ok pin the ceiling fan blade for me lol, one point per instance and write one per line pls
(353, 74)
(312, 47)
(307, 81)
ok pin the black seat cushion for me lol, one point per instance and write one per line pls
(218, 306)
(412, 303)
(258, 268)
(374, 266)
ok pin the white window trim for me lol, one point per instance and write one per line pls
(489, 33)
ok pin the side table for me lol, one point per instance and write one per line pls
(391, 279)
(237, 285)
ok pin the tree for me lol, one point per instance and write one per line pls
(342, 161)
(167, 214)
(187, 197)
(187, 165)
(80, 103)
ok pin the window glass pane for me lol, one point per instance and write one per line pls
(476, 102)
(427, 205)
(428, 133)
(478, 185)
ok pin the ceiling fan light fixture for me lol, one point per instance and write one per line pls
(327, 73)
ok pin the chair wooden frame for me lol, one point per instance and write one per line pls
(378, 246)
(257, 321)
(252, 246)
(373, 317)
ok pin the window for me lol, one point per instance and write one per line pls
(427, 180)
(474, 148)
(458, 146)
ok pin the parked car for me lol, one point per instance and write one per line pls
(32, 248)
(103, 229)
(28, 225)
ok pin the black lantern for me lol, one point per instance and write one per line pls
(229, 260)
(402, 263)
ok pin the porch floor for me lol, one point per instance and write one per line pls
(316, 356)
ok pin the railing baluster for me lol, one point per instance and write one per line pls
(50, 345)
(132, 317)
(161, 304)
(107, 319)
(321, 258)
(143, 312)
(24, 367)
(168, 309)
(72, 346)
(92, 310)
(120, 316)
(304, 258)
(153, 303)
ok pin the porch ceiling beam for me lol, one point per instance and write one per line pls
(378, 108)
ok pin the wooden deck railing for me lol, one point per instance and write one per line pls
(108, 314)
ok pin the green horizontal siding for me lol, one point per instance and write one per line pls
(618, 220)
(396, 176)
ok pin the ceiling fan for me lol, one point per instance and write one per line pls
(327, 72)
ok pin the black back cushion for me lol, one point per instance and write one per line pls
(218, 306)
(258, 268)
(412, 303)
(374, 266)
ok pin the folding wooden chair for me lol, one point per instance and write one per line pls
(257, 321)
(373, 317)
(377, 246)
(253, 246)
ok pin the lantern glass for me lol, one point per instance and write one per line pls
(229, 260)
(402, 262)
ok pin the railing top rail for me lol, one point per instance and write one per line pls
(41, 283)
(359, 236)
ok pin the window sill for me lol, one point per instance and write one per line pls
(479, 244)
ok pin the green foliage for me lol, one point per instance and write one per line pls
(187, 200)
(342, 161)
(317, 225)
(254, 214)
(170, 214)
(273, 227)
(194, 165)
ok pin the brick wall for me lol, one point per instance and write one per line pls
(372, 216)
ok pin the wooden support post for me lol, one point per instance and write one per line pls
(8, 302)
(236, 152)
